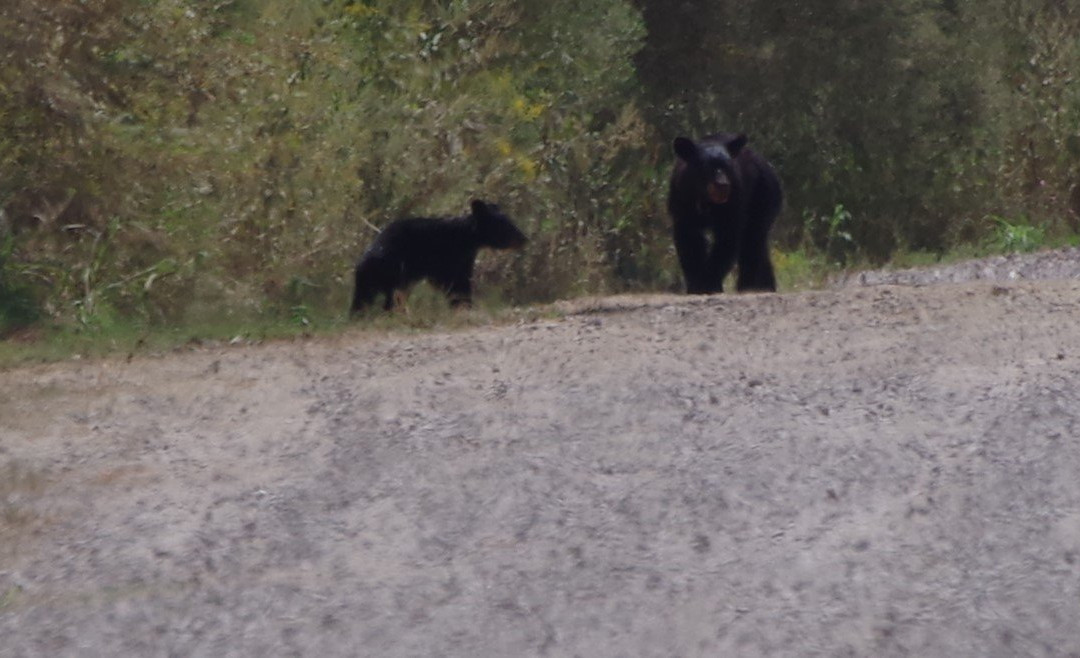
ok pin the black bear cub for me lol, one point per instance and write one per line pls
(439, 249)
(721, 187)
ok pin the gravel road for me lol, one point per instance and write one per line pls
(864, 471)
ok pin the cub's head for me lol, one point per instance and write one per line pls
(493, 228)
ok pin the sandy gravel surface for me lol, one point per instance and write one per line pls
(865, 471)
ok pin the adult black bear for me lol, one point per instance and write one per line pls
(721, 186)
(441, 250)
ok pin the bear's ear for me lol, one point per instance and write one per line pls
(478, 207)
(736, 145)
(686, 149)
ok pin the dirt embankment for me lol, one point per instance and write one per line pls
(862, 471)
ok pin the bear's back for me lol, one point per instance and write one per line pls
(422, 242)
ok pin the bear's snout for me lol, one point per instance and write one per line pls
(719, 191)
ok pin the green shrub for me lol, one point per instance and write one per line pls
(173, 161)
(18, 304)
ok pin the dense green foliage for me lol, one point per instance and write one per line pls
(169, 160)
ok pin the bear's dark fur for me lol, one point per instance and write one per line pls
(721, 187)
(441, 250)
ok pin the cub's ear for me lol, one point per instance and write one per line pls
(737, 144)
(686, 149)
(478, 207)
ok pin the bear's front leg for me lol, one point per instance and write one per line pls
(721, 261)
(691, 247)
(755, 265)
